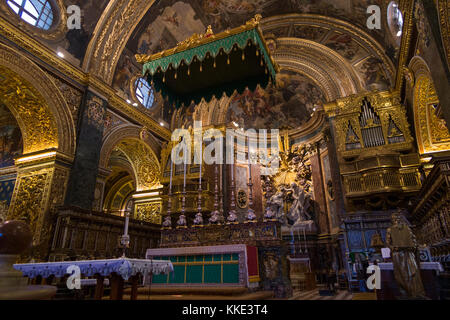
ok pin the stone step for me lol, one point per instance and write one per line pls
(192, 290)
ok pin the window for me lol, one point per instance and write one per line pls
(395, 19)
(38, 13)
(144, 93)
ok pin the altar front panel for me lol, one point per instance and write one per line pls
(226, 265)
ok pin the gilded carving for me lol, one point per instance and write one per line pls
(432, 132)
(444, 15)
(29, 200)
(149, 212)
(386, 105)
(96, 112)
(144, 162)
(30, 109)
(72, 95)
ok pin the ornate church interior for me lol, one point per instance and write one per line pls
(313, 136)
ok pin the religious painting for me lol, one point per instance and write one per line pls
(11, 144)
(309, 32)
(278, 32)
(373, 76)
(345, 46)
(287, 105)
(78, 39)
(167, 25)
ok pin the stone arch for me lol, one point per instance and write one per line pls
(141, 154)
(37, 104)
(328, 26)
(431, 130)
(327, 69)
(111, 34)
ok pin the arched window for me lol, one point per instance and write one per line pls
(144, 93)
(395, 19)
(38, 13)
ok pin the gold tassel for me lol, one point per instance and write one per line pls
(228, 60)
(175, 75)
(164, 78)
(214, 65)
(201, 68)
(189, 72)
(243, 56)
(261, 63)
(257, 53)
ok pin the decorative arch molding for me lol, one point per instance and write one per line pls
(328, 23)
(111, 34)
(332, 73)
(431, 131)
(145, 164)
(419, 67)
(140, 154)
(121, 132)
(38, 105)
(123, 164)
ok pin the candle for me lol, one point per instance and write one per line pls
(184, 180)
(127, 219)
(170, 183)
(201, 161)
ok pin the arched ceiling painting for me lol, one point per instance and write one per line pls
(289, 104)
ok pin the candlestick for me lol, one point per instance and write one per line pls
(167, 224)
(232, 217)
(125, 239)
(181, 223)
(215, 215)
(198, 221)
(251, 216)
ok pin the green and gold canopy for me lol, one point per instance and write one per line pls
(211, 64)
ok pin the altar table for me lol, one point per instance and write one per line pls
(118, 270)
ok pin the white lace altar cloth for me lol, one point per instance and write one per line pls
(124, 267)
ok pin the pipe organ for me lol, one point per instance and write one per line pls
(375, 150)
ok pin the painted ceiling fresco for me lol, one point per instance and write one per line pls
(289, 104)
(76, 41)
(171, 21)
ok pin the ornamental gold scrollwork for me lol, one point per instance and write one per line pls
(432, 132)
(144, 162)
(96, 112)
(149, 212)
(29, 200)
(37, 124)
